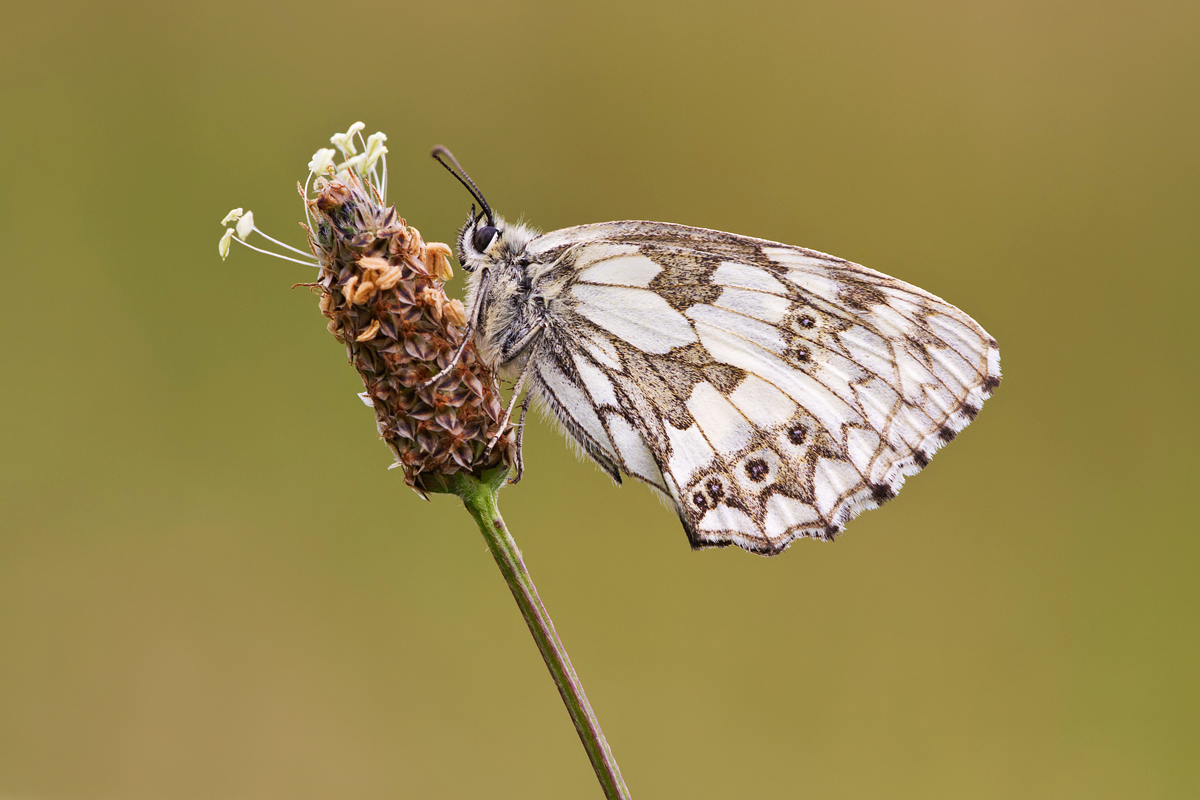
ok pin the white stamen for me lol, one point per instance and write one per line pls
(354, 164)
(356, 130)
(281, 244)
(341, 142)
(322, 160)
(245, 225)
(223, 247)
(304, 199)
(276, 255)
(383, 169)
(345, 141)
(374, 154)
(369, 166)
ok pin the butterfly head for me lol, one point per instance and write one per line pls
(490, 241)
(485, 239)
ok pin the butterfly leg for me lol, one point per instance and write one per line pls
(520, 465)
(468, 333)
(516, 395)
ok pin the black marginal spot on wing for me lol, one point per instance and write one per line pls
(921, 459)
(946, 434)
(881, 493)
(991, 383)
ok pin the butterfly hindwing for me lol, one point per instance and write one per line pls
(770, 392)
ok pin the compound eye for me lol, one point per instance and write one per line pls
(483, 237)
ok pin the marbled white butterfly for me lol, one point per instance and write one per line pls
(768, 391)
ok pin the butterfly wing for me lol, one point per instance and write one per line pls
(769, 391)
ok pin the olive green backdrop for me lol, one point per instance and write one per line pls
(211, 586)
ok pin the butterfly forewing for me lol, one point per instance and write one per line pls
(771, 392)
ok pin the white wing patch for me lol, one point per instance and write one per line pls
(861, 445)
(639, 317)
(833, 480)
(596, 382)
(690, 453)
(631, 270)
(761, 403)
(723, 425)
(635, 454)
(732, 273)
(869, 350)
(724, 518)
(769, 392)
(738, 325)
(786, 514)
(769, 308)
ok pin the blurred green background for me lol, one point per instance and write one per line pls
(210, 585)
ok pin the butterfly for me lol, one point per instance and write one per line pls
(768, 392)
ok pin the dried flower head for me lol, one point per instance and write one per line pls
(381, 287)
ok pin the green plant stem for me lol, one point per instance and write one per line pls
(480, 499)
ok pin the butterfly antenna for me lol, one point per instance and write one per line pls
(464, 179)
